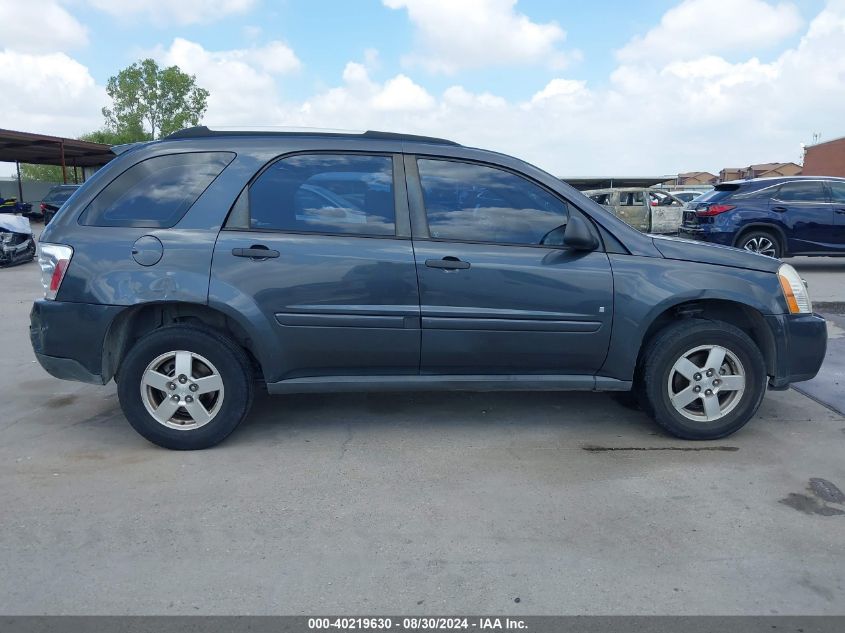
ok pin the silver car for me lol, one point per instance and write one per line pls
(649, 210)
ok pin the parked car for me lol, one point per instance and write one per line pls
(686, 195)
(648, 210)
(17, 245)
(778, 217)
(54, 199)
(191, 268)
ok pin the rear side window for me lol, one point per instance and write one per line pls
(325, 193)
(799, 191)
(157, 192)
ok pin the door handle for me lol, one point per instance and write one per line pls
(779, 209)
(841, 211)
(447, 263)
(256, 251)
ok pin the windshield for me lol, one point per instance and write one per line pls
(59, 195)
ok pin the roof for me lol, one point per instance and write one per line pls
(833, 140)
(42, 149)
(612, 181)
(202, 131)
(776, 178)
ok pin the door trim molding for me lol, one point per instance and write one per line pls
(454, 382)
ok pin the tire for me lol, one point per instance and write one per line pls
(663, 376)
(761, 241)
(204, 414)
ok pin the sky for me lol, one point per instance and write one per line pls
(601, 88)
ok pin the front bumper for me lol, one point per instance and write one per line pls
(800, 346)
(67, 338)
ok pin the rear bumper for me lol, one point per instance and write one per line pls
(67, 338)
(725, 238)
(801, 343)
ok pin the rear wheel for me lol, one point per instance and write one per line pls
(185, 388)
(703, 380)
(762, 242)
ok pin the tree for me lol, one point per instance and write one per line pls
(149, 102)
(45, 173)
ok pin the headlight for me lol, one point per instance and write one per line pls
(794, 290)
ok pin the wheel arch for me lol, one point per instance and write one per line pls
(768, 227)
(745, 317)
(136, 321)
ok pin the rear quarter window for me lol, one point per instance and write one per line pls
(157, 192)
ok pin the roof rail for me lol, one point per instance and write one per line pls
(202, 131)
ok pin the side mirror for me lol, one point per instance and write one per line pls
(578, 235)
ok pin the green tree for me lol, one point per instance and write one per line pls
(46, 173)
(149, 102)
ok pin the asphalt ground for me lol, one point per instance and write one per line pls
(525, 503)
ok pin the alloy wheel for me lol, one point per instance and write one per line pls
(182, 390)
(706, 383)
(762, 245)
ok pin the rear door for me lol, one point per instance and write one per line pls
(499, 294)
(807, 213)
(319, 243)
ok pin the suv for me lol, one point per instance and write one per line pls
(54, 199)
(193, 268)
(778, 217)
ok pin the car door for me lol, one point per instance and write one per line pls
(498, 292)
(634, 209)
(837, 198)
(319, 244)
(805, 209)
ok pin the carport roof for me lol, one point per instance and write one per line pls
(608, 182)
(41, 149)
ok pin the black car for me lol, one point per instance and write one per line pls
(54, 199)
(778, 217)
(191, 268)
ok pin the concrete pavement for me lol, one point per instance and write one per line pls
(409, 503)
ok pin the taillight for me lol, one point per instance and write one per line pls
(714, 209)
(43, 207)
(54, 260)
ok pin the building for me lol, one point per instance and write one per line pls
(730, 173)
(770, 170)
(760, 170)
(696, 178)
(825, 159)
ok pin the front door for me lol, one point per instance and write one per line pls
(498, 292)
(837, 198)
(317, 245)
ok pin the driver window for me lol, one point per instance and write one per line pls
(476, 203)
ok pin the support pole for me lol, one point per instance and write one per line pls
(64, 166)
(75, 178)
(20, 186)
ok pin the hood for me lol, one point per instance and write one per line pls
(704, 253)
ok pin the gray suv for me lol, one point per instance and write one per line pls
(196, 268)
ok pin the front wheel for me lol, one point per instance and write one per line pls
(703, 380)
(184, 387)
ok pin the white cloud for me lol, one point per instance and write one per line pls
(168, 12)
(242, 82)
(699, 27)
(39, 26)
(50, 93)
(454, 35)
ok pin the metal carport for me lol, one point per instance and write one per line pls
(42, 149)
